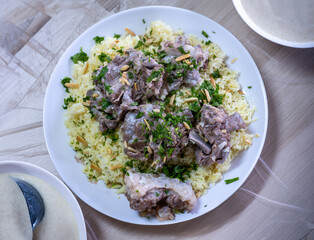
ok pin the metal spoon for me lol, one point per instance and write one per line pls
(34, 201)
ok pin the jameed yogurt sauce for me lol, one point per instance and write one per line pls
(291, 20)
(58, 222)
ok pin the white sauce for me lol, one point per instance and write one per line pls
(58, 222)
(15, 222)
(291, 20)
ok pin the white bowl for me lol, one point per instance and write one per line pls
(27, 168)
(267, 34)
(98, 195)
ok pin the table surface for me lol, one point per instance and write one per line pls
(275, 202)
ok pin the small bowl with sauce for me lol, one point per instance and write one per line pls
(286, 22)
(63, 218)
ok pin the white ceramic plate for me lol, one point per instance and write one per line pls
(27, 168)
(268, 35)
(106, 200)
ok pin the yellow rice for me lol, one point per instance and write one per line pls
(108, 156)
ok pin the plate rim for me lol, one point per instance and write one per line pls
(160, 7)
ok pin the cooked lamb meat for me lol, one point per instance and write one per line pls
(182, 72)
(133, 130)
(234, 122)
(215, 126)
(158, 195)
(165, 138)
(125, 80)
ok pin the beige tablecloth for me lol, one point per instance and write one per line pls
(276, 201)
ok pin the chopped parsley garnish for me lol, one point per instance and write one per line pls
(129, 163)
(120, 51)
(117, 36)
(140, 114)
(98, 39)
(105, 103)
(208, 42)
(216, 74)
(103, 72)
(147, 53)
(216, 98)
(166, 191)
(130, 75)
(195, 107)
(108, 88)
(161, 54)
(143, 20)
(102, 75)
(134, 104)
(249, 87)
(178, 69)
(205, 34)
(104, 57)
(228, 181)
(213, 32)
(161, 132)
(181, 49)
(205, 205)
(109, 116)
(111, 133)
(64, 81)
(157, 194)
(67, 101)
(154, 75)
(81, 56)
(177, 171)
(139, 44)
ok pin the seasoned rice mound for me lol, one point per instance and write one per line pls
(104, 159)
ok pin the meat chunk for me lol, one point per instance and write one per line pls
(234, 122)
(125, 80)
(163, 140)
(134, 129)
(158, 195)
(215, 126)
(182, 72)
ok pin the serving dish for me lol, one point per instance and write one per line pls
(292, 13)
(30, 169)
(106, 200)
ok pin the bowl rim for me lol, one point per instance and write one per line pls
(256, 28)
(160, 7)
(52, 180)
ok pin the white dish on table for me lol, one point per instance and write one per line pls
(286, 22)
(14, 167)
(106, 200)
